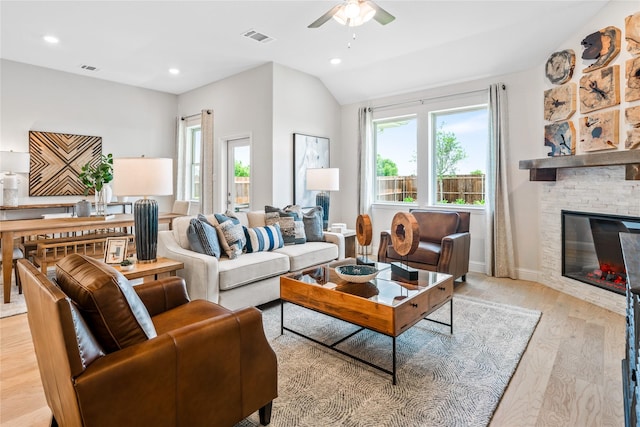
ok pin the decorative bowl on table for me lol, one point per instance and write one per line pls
(356, 273)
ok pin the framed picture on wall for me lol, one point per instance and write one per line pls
(308, 152)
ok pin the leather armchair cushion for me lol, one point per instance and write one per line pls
(427, 253)
(187, 314)
(434, 226)
(108, 302)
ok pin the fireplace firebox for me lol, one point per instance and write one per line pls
(591, 250)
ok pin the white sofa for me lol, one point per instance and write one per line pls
(252, 278)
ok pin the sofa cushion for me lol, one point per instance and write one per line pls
(255, 219)
(263, 238)
(311, 253)
(251, 268)
(111, 307)
(312, 220)
(435, 225)
(203, 237)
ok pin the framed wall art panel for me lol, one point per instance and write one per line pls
(308, 152)
(561, 138)
(632, 91)
(600, 131)
(560, 102)
(600, 89)
(56, 160)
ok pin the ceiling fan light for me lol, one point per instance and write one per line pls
(340, 17)
(352, 10)
(367, 12)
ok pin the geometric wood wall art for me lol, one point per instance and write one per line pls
(632, 116)
(632, 91)
(600, 131)
(561, 138)
(632, 33)
(600, 89)
(56, 160)
(560, 102)
(602, 46)
(559, 66)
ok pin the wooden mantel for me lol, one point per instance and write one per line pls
(545, 169)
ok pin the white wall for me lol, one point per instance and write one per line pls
(301, 104)
(268, 103)
(242, 106)
(131, 121)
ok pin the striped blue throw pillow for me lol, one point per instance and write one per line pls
(263, 238)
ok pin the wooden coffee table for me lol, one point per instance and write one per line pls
(385, 305)
(162, 267)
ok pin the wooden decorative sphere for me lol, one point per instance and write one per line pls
(364, 231)
(405, 233)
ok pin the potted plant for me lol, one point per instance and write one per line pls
(97, 177)
(126, 265)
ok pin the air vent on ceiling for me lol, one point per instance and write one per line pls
(89, 68)
(259, 37)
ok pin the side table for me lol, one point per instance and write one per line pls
(349, 243)
(163, 267)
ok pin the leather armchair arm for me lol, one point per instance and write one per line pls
(454, 254)
(385, 241)
(163, 294)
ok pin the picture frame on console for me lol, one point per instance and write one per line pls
(308, 152)
(115, 250)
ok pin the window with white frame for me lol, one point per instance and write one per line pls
(192, 151)
(433, 153)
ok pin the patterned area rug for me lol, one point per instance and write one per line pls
(443, 379)
(17, 304)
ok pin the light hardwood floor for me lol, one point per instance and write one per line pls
(569, 375)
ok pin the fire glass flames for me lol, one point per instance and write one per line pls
(591, 250)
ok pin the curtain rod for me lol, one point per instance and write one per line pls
(422, 100)
(194, 115)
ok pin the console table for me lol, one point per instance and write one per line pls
(10, 230)
(6, 211)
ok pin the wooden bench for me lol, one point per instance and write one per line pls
(49, 252)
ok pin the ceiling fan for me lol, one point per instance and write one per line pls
(354, 13)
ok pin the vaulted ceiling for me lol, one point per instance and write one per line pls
(430, 43)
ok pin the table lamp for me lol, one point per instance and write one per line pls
(323, 180)
(12, 162)
(144, 176)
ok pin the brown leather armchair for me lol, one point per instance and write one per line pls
(444, 243)
(111, 354)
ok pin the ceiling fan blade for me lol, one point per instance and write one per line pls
(382, 16)
(324, 18)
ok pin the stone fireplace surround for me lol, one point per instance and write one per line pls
(601, 189)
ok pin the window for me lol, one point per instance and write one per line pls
(194, 147)
(460, 155)
(433, 153)
(396, 159)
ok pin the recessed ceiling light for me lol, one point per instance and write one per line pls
(174, 71)
(335, 61)
(51, 39)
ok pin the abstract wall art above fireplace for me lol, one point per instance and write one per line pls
(56, 160)
(600, 131)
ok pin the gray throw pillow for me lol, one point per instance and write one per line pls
(312, 220)
(203, 238)
(287, 223)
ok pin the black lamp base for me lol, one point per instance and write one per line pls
(145, 212)
(322, 199)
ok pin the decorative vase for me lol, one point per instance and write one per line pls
(102, 200)
(83, 208)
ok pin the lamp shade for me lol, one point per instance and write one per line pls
(142, 176)
(323, 179)
(13, 161)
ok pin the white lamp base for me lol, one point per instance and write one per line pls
(10, 190)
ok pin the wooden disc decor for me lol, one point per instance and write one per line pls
(405, 233)
(364, 231)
